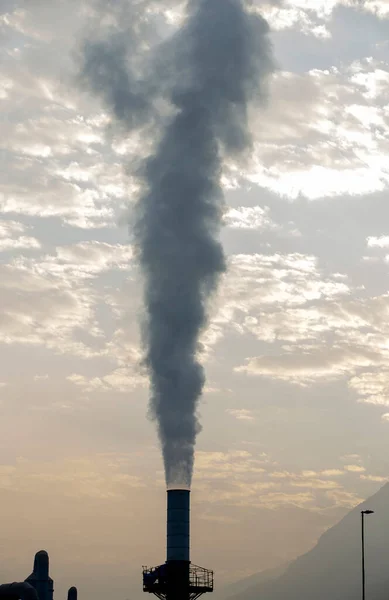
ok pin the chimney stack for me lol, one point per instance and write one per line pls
(178, 526)
(177, 579)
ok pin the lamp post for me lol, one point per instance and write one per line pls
(363, 513)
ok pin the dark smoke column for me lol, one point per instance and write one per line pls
(213, 68)
(221, 57)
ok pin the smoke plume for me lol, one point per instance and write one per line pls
(214, 67)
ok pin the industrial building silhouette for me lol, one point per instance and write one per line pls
(37, 586)
(176, 579)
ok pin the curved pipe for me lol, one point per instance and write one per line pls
(18, 591)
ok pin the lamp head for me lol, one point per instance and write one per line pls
(367, 512)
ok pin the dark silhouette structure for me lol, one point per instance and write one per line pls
(363, 513)
(18, 591)
(40, 578)
(177, 578)
(72, 593)
(38, 586)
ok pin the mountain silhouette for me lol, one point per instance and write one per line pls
(245, 589)
(332, 569)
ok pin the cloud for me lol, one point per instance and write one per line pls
(375, 478)
(309, 16)
(325, 329)
(372, 387)
(377, 7)
(345, 498)
(312, 17)
(37, 310)
(353, 457)
(318, 484)
(246, 217)
(59, 161)
(298, 304)
(89, 477)
(241, 414)
(322, 134)
(122, 380)
(88, 259)
(11, 237)
(307, 367)
(247, 479)
(257, 286)
(307, 474)
(19, 243)
(355, 468)
(332, 472)
(48, 301)
(378, 242)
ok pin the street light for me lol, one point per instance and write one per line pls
(363, 513)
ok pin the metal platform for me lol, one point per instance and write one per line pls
(156, 581)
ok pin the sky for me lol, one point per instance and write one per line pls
(295, 412)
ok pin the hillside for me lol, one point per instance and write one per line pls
(332, 569)
(244, 589)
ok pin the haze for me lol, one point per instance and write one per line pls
(295, 411)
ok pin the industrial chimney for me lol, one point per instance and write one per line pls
(177, 579)
(40, 578)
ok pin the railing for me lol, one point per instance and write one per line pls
(199, 578)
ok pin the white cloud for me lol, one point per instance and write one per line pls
(378, 242)
(19, 243)
(10, 228)
(241, 414)
(246, 217)
(88, 259)
(305, 367)
(321, 135)
(311, 16)
(354, 468)
(11, 237)
(268, 296)
(49, 301)
(377, 7)
(121, 380)
(374, 478)
(332, 472)
(248, 480)
(372, 387)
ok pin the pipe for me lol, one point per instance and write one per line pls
(18, 591)
(178, 525)
(40, 578)
(72, 593)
